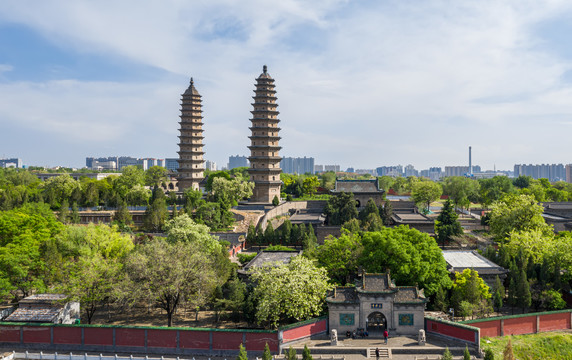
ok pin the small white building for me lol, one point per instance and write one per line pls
(46, 308)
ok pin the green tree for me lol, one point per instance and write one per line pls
(291, 355)
(242, 355)
(425, 192)
(340, 257)
(508, 353)
(494, 189)
(64, 213)
(447, 224)
(59, 188)
(447, 354)
(516, 213)
(122, 214)
(469, 286)
(522, 181)
(295, 291)
(341, 208)
(168, 273)
(461, 190)
(310, 185)
(93, 257)
(266, 355)
(352, 226)
(275, 201)
(369, 209)
(466, 354)
(74, 217)
(306, 355)
(131, 176)
(138, 195)
(184, 229)
(156, 175)
(523, 296)
(413, 257)
(386, 212)
(440, 302)
(193, 199)
(489, 354)
(498, 294)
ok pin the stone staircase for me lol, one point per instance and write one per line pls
(384, 353)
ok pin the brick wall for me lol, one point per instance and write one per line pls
(304, 329)
(523, 324)
(454, 330)
(116, 339)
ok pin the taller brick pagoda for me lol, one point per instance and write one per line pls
(264, 159)
(191, 163)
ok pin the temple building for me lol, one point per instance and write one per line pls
(264, 159)
(191, 163)
(376, 304)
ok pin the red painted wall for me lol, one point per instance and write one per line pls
(489, 328)
(518, 326)
(226, 340)
(33, 334)
(129, 337)
(162, 338)
(304, 331)
(189, 339)
(10, 334)
(67, 335)
(98, 336)
(456, 332)
(257, 341)
(554, 322)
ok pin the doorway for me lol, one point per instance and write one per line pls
(376, 322)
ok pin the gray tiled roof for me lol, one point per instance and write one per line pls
(35, 314)
(458, 260)
(407, 294)
(269, 257)
(343, 294)
(357, 186)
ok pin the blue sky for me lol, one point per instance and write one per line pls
(360, 83)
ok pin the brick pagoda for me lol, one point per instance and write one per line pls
(191, 163)
(264, 159)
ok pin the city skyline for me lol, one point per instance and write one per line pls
(361, 84)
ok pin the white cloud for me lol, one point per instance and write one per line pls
(360, 84)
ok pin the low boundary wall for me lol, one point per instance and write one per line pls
(523, 323)
(154, 340)
(123, 339)
(302, 330)
(453, 330)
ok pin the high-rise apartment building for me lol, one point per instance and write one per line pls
(13, 162)
(210, 165)
(237, 161)
(552, 172)
(394, 171)
(264, 158)
(334, 168)
(290, 165)
(569, 173)
(191, 163)
(460, 170)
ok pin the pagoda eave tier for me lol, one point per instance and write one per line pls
(266, 137)
(264, 147)
(278, 158)
(264, 96)
(274, 121)
(191, 97)
(198, 153)
(253, 128)
(263, 103)
(267, 182)
(196, 161)
(265, 111)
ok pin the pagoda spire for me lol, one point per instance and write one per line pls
(191, 162)
(264, 158)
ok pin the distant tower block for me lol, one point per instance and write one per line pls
(191, 163)
(264, 159)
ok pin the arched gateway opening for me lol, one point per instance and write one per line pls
(376, 322)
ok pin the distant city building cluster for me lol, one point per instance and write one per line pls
(117, 163)
(11, 163)
(292, 165)
(323, 168)
(552, 172)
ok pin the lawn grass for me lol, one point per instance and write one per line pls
(549, 345)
